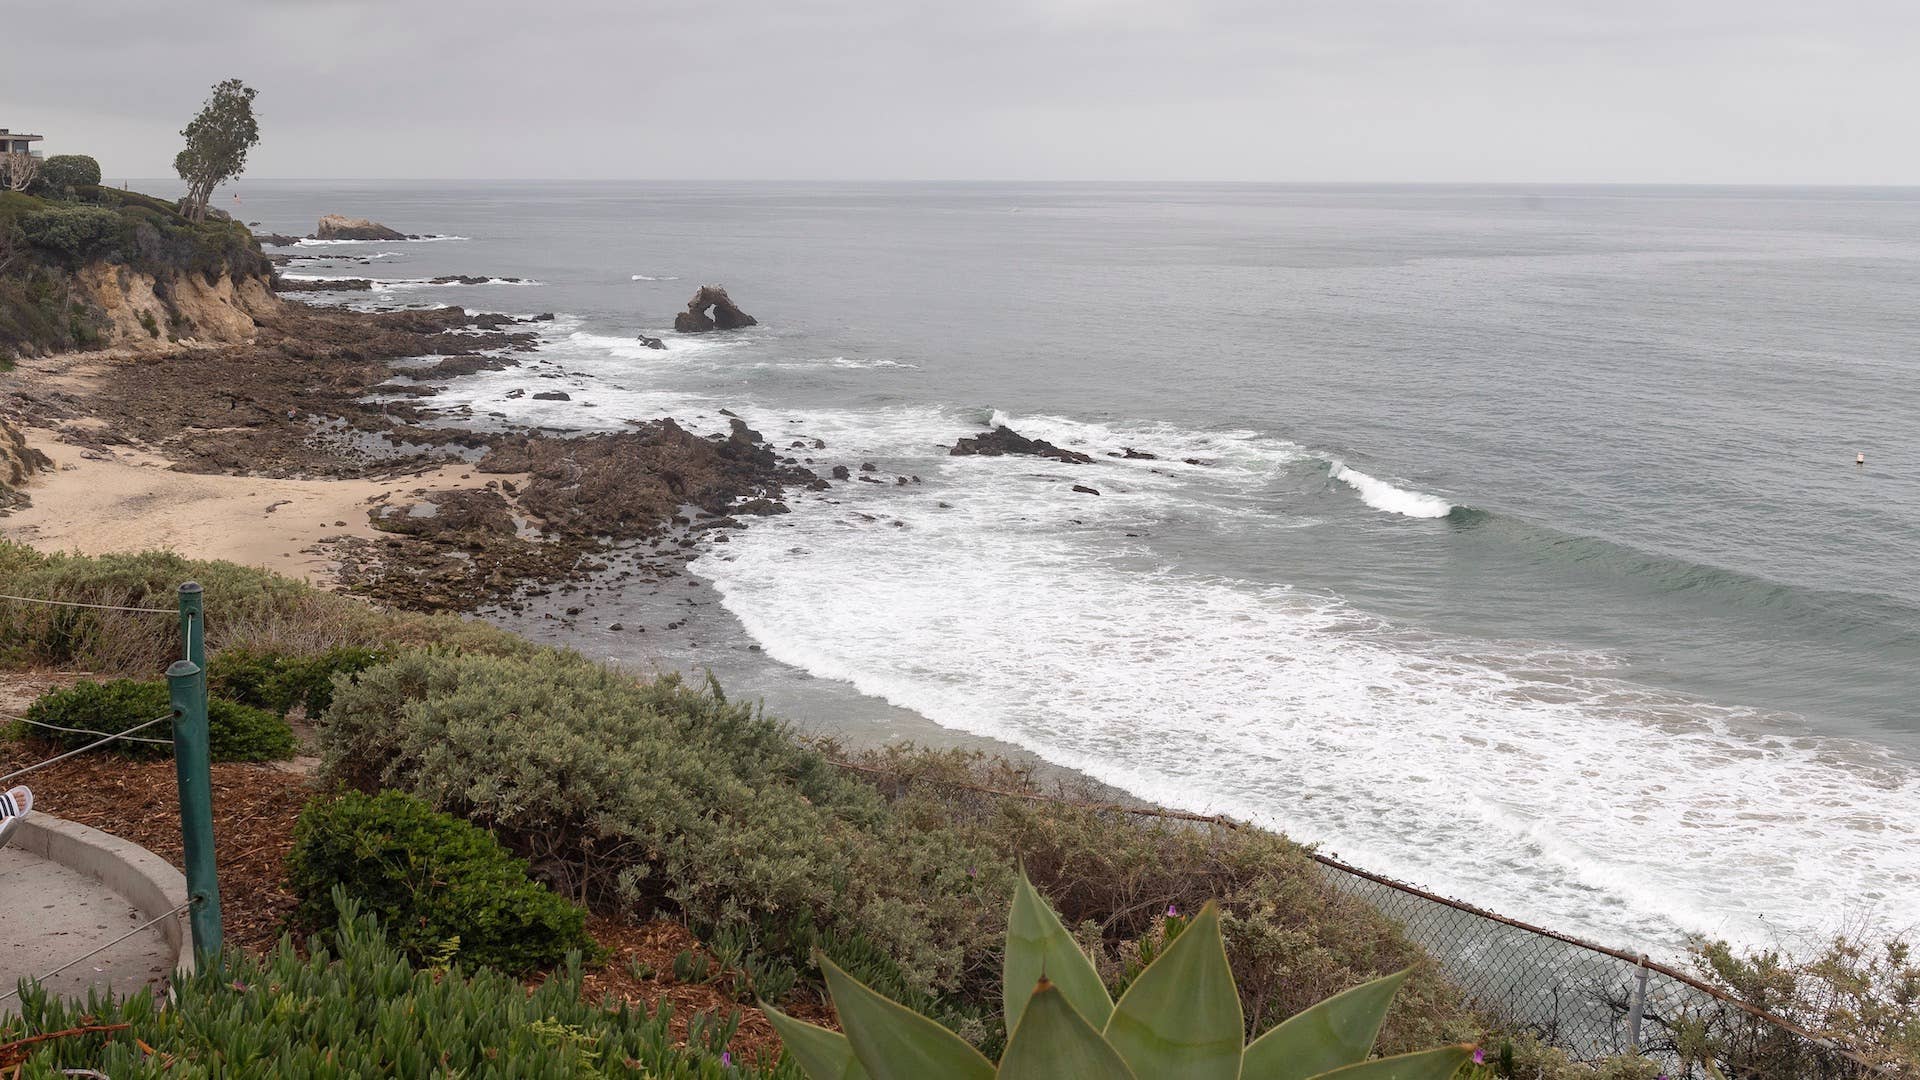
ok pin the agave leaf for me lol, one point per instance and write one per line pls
(822, 1054)
(1181, 1019)
(1338, 1031)
(1039, 947)
(892, 1042)
(1438, 1064)
(1054, 1041)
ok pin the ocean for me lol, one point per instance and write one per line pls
(1509, 541)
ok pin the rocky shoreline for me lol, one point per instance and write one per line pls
(321, 393)
(324, 393)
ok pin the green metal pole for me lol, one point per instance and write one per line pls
(186, 683)
(193, 625)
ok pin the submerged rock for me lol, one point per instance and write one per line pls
(341, 227)
(725, 315)
(651, 342)
(1004, 440)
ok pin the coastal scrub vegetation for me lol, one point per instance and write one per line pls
(444, 888)
(247, 609)
(352, 1005)
(662, 797)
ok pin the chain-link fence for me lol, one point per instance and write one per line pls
(1594, 1002)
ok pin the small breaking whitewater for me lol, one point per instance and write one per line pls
(1384, 496)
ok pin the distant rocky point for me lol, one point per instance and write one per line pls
(725, 315)
(1005, 440)
(340, 227)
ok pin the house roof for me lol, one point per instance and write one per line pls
(6, 134)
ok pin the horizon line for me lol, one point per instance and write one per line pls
(1755, 185)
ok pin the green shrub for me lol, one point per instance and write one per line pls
(353, 1006)
(277, 681)
(64, 171)
(658, 796)
(74, 234)
(443, 887)
(235, 732)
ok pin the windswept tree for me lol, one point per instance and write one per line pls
(217, 144)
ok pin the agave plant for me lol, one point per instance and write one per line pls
(1179, 1020)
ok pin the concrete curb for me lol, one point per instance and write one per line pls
(147, 881)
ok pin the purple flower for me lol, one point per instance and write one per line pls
(1479, 1056)
(971, 872)
(1172, 912)
(726, 1058)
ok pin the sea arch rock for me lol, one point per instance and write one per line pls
(725, 315)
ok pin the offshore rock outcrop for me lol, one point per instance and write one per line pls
(341, 227)
(725, 314)
(1004, 440)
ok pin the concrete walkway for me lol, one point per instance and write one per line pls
(50, 914)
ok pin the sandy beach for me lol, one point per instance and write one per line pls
(122, 499)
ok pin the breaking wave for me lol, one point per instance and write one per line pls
(1381, 495)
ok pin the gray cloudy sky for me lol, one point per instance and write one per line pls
(1709, 91)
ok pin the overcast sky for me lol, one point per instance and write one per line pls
(1704, 91)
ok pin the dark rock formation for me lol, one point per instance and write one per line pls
(338, 227)
(469, 279)
(650, 342)
(284, 284)
(553, 395)
(840, 472)
(276, 239)
(725, 316)
(1085, 490)
(1004, 440)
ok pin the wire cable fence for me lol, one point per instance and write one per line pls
(97, 743)
(1590, 1001)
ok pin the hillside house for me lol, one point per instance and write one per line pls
(14, 142)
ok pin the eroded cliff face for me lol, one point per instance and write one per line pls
(18, 464)
(134, 309)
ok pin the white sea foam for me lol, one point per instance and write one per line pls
(1528, 779)
(844, 363)
(1394, 500)
(427, 239)
(380, 284)
(647, 277)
